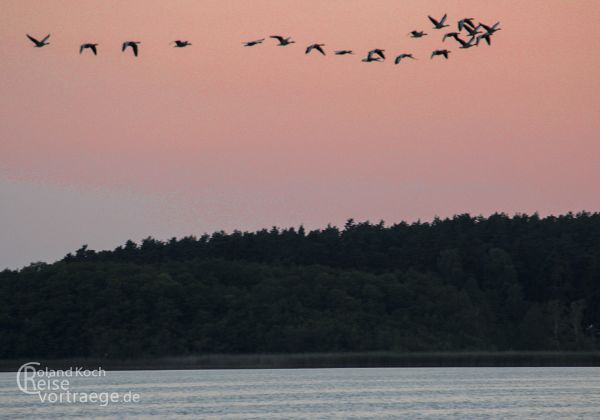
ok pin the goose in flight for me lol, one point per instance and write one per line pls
(378, 52)
(450, 35)
(472, 31)
(438, 24)
(491, 29)
(39, 44)
(343, 52)
(370, 57)
(464, 44)
(283, 41)
(133, 45)
(253, 43)
(402, 57)
(417, 34)
(465, 22)
(181, 44)
(440, 52)
(318, 47)
(487, 37)
(90, 46)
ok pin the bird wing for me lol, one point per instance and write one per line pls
(397, 60)
(93, 47)
(435, 22)
(35, 41)
(135, 49)
(320, 49)
(445, 54)
(462, 42)
(308, 49)
(279, 38)
(488, 39)
(487, 28)
(461, 23)
(443, 19)
(81, 49)
(433, 54)
(124, 46)
(46, 38)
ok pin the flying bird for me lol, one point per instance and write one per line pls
(133, 45)
(491, 29)
(90, 46)
(39, 44)
(318, 47)
(473, 31)
(450, 35)
(378, 52)
(181, 44)
(487, 37)
(402, 57)
(370, 57)
(464, 44)
(438, 24)
(440, 52)
(417, 34)
(283, 41)
(253, 43)
(465, 22)
(343, 52)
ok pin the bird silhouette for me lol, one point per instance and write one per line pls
(487, 37)
(378, 52)
(318, 47)
(440, 52)
(370, 57)
(472, 31)
(133, 45)
(450, 35)
(464, 44)
(465, 22)
(181, 44)
(402, 57)
(283, 41)
(90, 46)
(438, 24)
(343, 52)
(253, 43)
(491, 29)
(39, 44)
(417, 34)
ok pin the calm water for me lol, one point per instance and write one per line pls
(327, 393)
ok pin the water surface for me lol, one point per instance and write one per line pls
(327, 394)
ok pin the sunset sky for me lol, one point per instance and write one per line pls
(98, 150)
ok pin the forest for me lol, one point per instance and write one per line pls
(464, 283)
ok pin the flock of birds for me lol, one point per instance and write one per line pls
(466, 27)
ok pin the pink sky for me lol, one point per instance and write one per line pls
(98, 150)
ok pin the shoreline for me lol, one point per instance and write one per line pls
(323, 360)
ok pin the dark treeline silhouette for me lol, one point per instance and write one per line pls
(460, 284)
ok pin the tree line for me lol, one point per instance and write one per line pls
(457, 284)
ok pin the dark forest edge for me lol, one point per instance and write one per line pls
(463, 284)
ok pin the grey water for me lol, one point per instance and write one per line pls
(355, 393)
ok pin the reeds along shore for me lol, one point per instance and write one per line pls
(326, 360)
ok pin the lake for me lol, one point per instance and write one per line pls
(353, 393)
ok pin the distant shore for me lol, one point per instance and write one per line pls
(324, 360)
